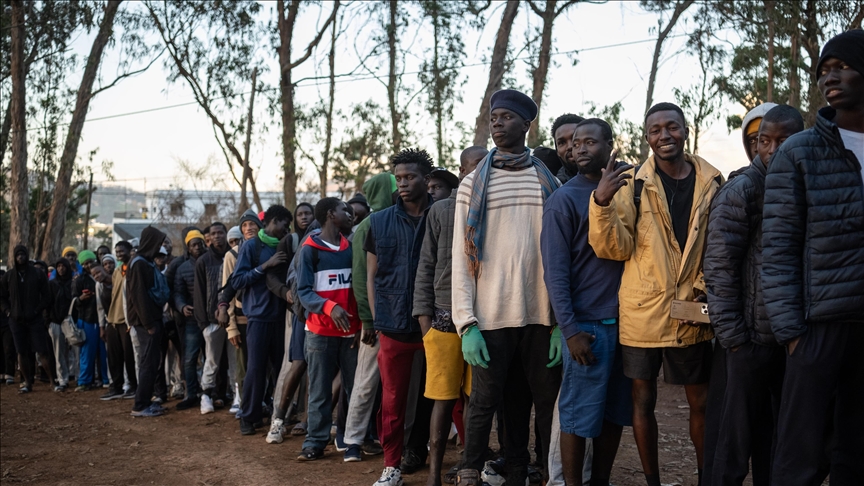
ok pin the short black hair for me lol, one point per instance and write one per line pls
(217, 223)
(666, 106)
(605, 129)
(565, 119)
(324, 206)
(103, 246)
(206, 230)
(785, 114)
(277, 211)
(124, 244)
(411, 156)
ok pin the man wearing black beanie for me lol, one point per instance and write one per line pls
(812, 275)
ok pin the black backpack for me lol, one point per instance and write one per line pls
(291, 280)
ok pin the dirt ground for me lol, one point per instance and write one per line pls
(73, 438)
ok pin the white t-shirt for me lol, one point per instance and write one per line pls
(854, 141)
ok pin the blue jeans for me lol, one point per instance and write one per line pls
(325, 356)
(92, 348)
(193, 347)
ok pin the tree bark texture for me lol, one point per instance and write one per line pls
(244, 200)
(286, 86)
(392, 78)
(325, 159)
(496, 72)
(539, 75)
(769, 14)
(680, 7)
(19, 230)
(62, 188)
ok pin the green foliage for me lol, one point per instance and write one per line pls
(627, 133)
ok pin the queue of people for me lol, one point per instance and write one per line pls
(560, 281)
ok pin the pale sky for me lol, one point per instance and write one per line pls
(145, 146)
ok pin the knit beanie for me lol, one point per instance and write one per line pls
(67, 250)
(86, 255)
(848, 47)
(234, 233)
(515, 101)
(250, 215)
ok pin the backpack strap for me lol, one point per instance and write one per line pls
(231, 251)
(295, 242)
(637, 190)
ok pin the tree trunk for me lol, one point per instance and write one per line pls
(810, 41)
(62, 187)
(5, 129)
(680, 7)
(289, 121)
(769, 14)
(496, 72)
(794, 60)
(325, 160)
(87, 213)
(244, 201)
(395, 116)
(19, 230)
(542, 70)
(436, 72)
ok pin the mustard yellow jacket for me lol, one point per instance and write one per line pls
(656, 271)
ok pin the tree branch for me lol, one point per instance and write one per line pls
(127, 75)
(312, 45)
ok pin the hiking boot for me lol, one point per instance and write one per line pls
(275, 434)
(111, 395)
(310, 454)
(411, 462)
(246, 428)
(372, 448)
(206, 405)
(391, 476)
(188, 403)
(352, 453)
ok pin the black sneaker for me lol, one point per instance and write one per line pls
(130, 395)
(111, 395)
(372, 448)
(310, 454)
(191, 402)
(246, 428)
(411, 462)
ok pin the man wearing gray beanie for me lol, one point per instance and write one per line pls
(812, 276)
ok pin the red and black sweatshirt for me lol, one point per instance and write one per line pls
(323, 282)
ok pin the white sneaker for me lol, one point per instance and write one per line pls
(391, 476)
(488, 475)
(275, 434)
(235, 405)
(206, 405)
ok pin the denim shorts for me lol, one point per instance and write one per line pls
(590, 394)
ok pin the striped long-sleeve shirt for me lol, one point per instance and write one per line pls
(510, 291)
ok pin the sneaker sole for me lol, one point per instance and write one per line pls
(341, 449)
(273, 441)
(205, 412)
(108, 399)
(352, 459)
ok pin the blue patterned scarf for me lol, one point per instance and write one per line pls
(477, 206)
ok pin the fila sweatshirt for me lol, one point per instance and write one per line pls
(324, 283)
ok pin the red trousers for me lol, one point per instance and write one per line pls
(394, 363)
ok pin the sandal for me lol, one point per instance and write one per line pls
(450, 476)
(299, 429)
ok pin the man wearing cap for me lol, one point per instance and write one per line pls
(508, 333)
(447, 376)
(442, 183)
(183, 300)
(361, 209)
(813, 275)
(24, 294)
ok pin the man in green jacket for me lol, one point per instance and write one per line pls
(379, 191)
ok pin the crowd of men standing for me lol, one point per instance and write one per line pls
(545, 280)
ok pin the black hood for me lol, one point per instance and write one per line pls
(64, 262)
(20, 249)
(150, 242)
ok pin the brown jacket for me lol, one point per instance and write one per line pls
(656, 270)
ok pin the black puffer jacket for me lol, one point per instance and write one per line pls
(813, 232)
(733, 260)
(183, 289)
(208, 282)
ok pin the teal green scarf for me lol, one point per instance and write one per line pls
(267, 239)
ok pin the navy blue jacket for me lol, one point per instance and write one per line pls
(397, 245)
(259, 304)
(582, 287)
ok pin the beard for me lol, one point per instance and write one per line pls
(594, 166)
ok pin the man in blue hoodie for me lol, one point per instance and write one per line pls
(265, 312)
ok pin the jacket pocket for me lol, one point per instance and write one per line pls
(391, 310)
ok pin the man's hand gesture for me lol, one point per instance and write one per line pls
(611, 181)
(278, 258)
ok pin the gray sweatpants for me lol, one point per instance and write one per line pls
(58, 342)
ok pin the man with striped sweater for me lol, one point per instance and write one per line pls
(500, 304)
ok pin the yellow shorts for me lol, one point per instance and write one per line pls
(446, 370)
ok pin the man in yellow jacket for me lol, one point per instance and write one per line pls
(657, 224)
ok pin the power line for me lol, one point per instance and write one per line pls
(353, 79)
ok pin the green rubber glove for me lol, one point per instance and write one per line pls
(474, 348)
(555, 346)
